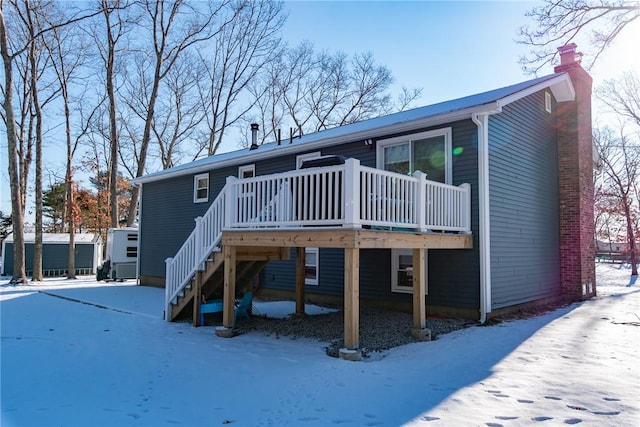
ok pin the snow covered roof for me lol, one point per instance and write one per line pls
(59, 238)
(430, 115)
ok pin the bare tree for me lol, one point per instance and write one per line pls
(298, 79)
(311, 91)
(32, 25)
(17, 214)
(32, 66)
(175, 28)
(9, 55)
(558, 22)
(179, 111)
(66, 49)
(116, 24)
(268, 109)
(243, 47)
(621, 160)
(622, 96)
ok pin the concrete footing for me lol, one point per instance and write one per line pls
(223, 332)
(421, 334)
(349, 354)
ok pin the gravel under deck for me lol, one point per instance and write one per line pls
(379, 329)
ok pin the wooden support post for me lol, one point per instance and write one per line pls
(229, 293)
(352, 298)
(300, 280)
(197, 296)
(419, 289)
(419, 330)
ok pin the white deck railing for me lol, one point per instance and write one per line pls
(347, 195)
(202, 241)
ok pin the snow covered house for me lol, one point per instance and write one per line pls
(55, 253)
(467, 207)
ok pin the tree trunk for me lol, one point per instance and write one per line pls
(113, 129)
(71, 268)
(37, 246)
(14, 177)
(144, 146)
(631, 238)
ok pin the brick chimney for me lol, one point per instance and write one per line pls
(575, 158)
(569, 58)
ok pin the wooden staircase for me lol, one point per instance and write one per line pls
(209, 282)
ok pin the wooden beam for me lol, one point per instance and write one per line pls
(300, 280)
(419, 289)
(352, 298)
(346, 238)
(260, 253)
(229, 292)
(197, 296)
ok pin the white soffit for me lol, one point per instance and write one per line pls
(560, 86)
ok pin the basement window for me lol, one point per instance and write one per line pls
(402, 271)
(311, 266)
(201, 188)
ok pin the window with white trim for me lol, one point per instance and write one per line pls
(402, 271)
(429, 152)
(247, 171)
(312, 255)
(201, 188)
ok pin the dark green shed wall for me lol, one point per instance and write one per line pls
(55, 258)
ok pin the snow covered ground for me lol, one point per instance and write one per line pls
(81, 353)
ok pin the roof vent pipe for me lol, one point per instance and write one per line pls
(254, 136)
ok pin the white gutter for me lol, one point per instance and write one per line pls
(482, 121)
(139, 234)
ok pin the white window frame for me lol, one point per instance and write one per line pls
(196, 180)
(300, 159)
(407, 139)
(395, 266)
(307, 280)
(242, 170)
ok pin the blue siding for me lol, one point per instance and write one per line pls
(525, 257)
(168, 217)
(453, 275)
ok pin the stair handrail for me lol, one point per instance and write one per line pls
(193, 253)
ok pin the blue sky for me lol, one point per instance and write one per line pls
(449, 49)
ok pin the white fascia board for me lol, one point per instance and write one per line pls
(560, 86)
(287, 148)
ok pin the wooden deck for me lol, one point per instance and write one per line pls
(235, 242)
